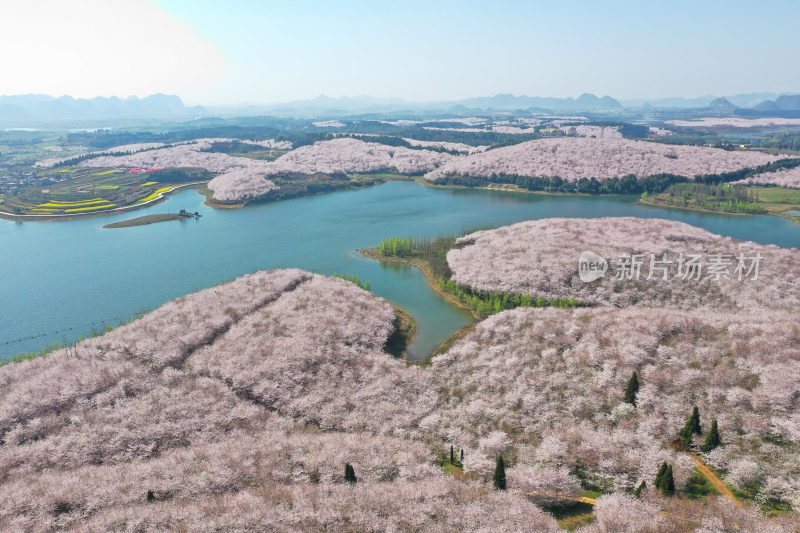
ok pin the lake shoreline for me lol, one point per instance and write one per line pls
(317, 233)
(661, 205)
(421, 264)
(405, 332)
(355, 182)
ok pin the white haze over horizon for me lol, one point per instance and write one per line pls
(263, 52)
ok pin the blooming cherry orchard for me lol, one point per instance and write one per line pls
(610, 132)
(241, 184)
(117, 150)
(572, 158)
(782, 178)
(237, 407)
(192, 154)
(545, 388)
(344, 155)
(651, 261)
(456, 147)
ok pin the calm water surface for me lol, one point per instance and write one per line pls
(59, 275)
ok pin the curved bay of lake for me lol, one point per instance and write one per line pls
(74, 274)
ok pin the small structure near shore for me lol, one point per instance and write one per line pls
(152, 219)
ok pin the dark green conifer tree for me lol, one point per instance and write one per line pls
(668, 482)
(692, 427)
(349, 473)
(712, 437)
(640, 489)
(660, 475)
(694, 421)
(500, 474)
(631, 389)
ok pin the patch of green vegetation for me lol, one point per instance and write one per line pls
(571, 515)
(721, 197)
(739, 199)
(572, 523)
(450, 468)
(450, 461)
(486, 303)
(778, 195)
(698, 486)
(433, 253)
(24, 356)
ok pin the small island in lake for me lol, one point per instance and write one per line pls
(152, 219)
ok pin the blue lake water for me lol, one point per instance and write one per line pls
(60, 275)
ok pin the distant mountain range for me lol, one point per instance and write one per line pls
(739, 100)
(43, 108)
(38, 109)
(328, 106)
(786, 102)
(504, 102)
(585, 103)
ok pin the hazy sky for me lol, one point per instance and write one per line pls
(237, 51)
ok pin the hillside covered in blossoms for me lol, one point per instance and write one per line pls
(782, 178)
(242, 404)
(573, 158)
(650, 261)
(556, 154)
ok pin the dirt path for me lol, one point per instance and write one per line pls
(716, 482)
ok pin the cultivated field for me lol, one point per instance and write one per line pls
(92, 191)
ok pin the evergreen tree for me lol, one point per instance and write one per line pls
(694, 421)
(631, 389)
(692, 427)
(668, 482)
(712, 438)
(664, 480)
(500, 474)
(349, 473)
(686, 435)
(660, 475)
(640, 489)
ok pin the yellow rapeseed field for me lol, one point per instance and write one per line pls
(107, 206)
(59, 204)
(156, 194)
